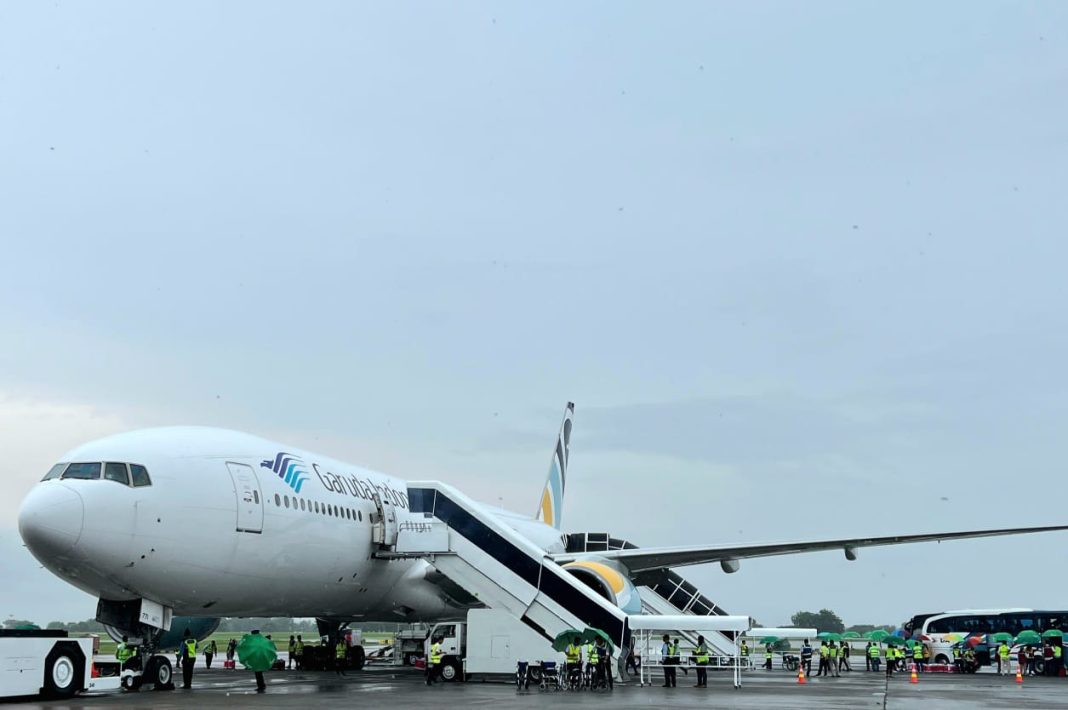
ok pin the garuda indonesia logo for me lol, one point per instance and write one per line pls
(289, 468)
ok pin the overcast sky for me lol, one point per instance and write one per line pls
(800, 265)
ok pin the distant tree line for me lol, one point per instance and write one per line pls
(827, 620)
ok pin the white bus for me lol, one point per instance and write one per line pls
(933, 629)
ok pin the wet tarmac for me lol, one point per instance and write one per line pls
(775, 689)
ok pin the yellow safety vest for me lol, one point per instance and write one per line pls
(124, 653)
(341, 651)
(702, 653)
(768, 654)
(873, 651)
(1003, 651)
(191, 648)
(833, 652)
(824, 651)
(917, 651)
(592, 656)
(1057, 650)
(299, 648)
(574, 653)
(675, 651)
(745, 649)
(435, 654)
(956, 652)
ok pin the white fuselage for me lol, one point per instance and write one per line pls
(220, 531)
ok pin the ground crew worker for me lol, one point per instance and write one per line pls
(958, 662)
(666, 660)
(573, 667)
(1058, 657)
(832, 660)
(604, 660)
(873, 657)
(209, 653)
(744, 651)
(700, 657)
(292, 650)
(1003, 658)
(298, 650)
(824, 654)
(843, 656)
(341, 656)
(969, 658)
(891, 660)
(188, 651)
(433, 665)
(261, 684)
(768, 655)
(593, 659)
(124, 652)
(917, 656)
(806, 657)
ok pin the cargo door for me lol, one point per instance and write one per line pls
(249, 499)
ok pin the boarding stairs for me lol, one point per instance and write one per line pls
(669, 594)
(501, 568)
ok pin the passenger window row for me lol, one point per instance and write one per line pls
(127, 474)
(315, 507)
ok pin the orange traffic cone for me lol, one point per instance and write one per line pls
(801, 676)
(1019, 676)
(914, 678)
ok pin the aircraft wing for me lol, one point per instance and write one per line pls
(646, 559)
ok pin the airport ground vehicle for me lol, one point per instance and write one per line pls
(489, 642)
(939, 629)
(54, 665)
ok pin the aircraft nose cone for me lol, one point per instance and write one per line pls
(50, 519)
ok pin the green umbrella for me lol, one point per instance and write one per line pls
(1028, 636)
(829, 636)
(877, 635)
(894, 641)
(564, 639)
(1052, 633)
(591, 635)
(911, 642)
(1000, 636)
(850, 635)
(256, 653)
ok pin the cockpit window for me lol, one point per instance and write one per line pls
(54, 472)
(82, 471)
(116, 472)
(140, 475)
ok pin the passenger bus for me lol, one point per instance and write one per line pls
(934, 628)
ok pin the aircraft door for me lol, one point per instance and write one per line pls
(249, 499)
(384, 530)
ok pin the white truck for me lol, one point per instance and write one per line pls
(53, 665)
(489, 642)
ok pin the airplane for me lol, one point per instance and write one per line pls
(205, 523)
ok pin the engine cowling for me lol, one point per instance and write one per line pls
(199, 628)
(609, 579)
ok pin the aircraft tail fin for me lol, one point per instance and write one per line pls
(552, 496)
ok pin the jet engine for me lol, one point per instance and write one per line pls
(608, 579)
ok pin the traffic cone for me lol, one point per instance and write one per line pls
(801, 676)
(1019, 676)
(914, 678)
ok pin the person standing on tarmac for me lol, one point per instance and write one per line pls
(341, 656)
(209, 653)
(667, 661)
(843, 656)
(573, 667)
(806, 657)
(824, 653)
(873, 657)
(1003, 658)
(744, 651)
(299, 650)
(261, 684)
(433, 661)
(292, 651)
(768, 657)
(700, 657)
(188, 649)
(833, 660)
(1058, 657)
